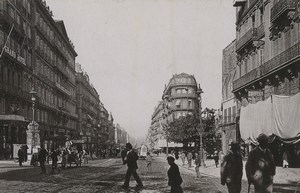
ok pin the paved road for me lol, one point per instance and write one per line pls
(102, 176)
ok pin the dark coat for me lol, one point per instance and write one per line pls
(42, 155)
(21, 154)
(260, 167)
(174, 176)
(54, 155)
(232, 168)
(132, 157)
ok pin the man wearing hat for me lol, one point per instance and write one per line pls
(232, 169)
(260, 166)
(175, 179)
(131, 160)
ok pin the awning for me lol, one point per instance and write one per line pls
(12, 118)
(278, 115)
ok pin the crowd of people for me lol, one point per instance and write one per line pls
(260, 166)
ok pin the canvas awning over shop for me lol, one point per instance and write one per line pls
(278, 116)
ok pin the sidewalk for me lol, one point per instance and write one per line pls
(283, 175)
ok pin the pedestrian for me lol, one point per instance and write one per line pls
(232, 169)
(85, 157)
(123, 155)
(149, 160)
(20, 156)
(216, 158)
(198, 164)
(189, 159)
(54, 158)
(131, 161)
(175, 179)
(260, 166)
(285, 160)
(182, 156)
(42, 156)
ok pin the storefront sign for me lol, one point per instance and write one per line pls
(255, 95)
(14, 55)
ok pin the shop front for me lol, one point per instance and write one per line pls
(12, 131)
(278, 118)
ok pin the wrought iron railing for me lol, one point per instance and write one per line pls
(250, 36)
(281, 7)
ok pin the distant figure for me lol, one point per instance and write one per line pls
(131, 160)
(221, 157)
(216, 158)
(198, 164)
(260, 166)
(123, 155)
(182, 156)
(42, 156)
(149, 161)
(232, 169)
(189, 159)
(54, 158)
(21, 156)
(285, 160)
(175, 179)
(85, 157)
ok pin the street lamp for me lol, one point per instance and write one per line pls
(200, 128)
(34, 125)
(165, 116)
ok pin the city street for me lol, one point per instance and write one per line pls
(107, 175)
(98, 176)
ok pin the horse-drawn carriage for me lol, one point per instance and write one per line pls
(71, 157)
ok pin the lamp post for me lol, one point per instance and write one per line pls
(200, 128)
(35, 132)
(165, 116)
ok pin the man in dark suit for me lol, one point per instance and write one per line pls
(232, 169)
(131, 160)
(175, 179)
(260, 166)
(42, 156)
(21, 156)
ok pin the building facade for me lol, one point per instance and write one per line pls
(155, 131)
(36, 55)
(268, 39)
(181, 96)
(88, 110)
(228, 105)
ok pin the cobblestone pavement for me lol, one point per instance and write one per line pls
(107, 175)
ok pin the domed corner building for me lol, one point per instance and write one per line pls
(181, 95)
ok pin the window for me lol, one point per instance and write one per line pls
(261, 13)
(190, 104)
(2, 41)
(184, 91)
(229, 115)
(178, 103)
(225, 116)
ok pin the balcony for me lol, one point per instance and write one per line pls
(45, 79)
(287, 57)
(247, 39)
(62, 89)
(281, 59)
(244, 9)
(249, 77)
(282, 7)
(183, 95)
(14, 91)
(9, 21)
(239, 3)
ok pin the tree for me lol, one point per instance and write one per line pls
(184, 130)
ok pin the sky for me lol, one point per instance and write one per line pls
(131, 48)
